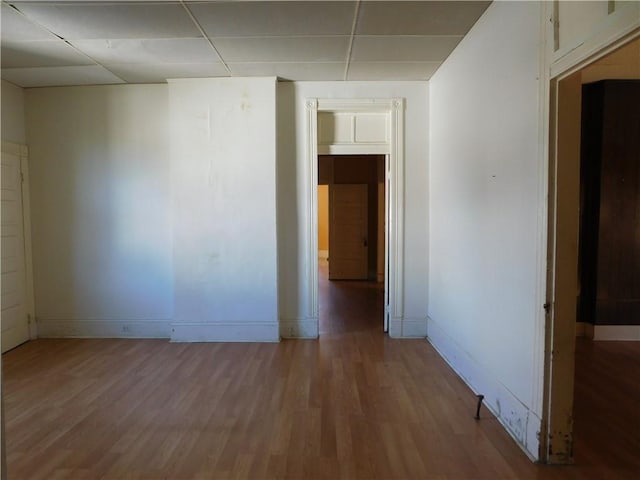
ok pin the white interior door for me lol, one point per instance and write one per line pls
(15, 322)
(348, 242)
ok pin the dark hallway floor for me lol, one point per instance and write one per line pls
(349, 306)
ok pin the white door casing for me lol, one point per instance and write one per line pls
(361, 143)
(614, 30)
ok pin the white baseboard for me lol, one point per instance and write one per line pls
(299, 327)
(520, 422)
(616, 332)
(407, 327)
(323, 254)
(55, 328)
(395, 327)
(414, 327)
(224, 332)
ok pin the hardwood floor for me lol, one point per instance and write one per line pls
(607, 408)
(354, 404)
(348, 306)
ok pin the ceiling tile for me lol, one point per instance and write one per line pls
(147, 41)
(178, 50)
(392, 70)
(113, 20)
(403, 48)
(135, 73)
(418, 18)
(15, 27)
(290, 71)
(41, 54)
(58, 76)
(282, 49)
(274, 18)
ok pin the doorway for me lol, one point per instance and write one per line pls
(351, 243)
(360, 127)
(586, 380)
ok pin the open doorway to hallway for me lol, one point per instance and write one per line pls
(351, 243)
(597, 190)
(608, 312)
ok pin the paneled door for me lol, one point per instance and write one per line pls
(15, 321)
(348, 228)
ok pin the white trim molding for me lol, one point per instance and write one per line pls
(628, 333)
(311, 106)
(394, 108)
(299, 328)
(75, 328)
(194, 332)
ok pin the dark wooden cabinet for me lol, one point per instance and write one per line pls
(610, 204)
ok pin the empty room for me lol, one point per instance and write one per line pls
(320, 239)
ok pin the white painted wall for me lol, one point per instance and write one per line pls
(12, 101)
(485, 204)
(101, 212)
(579, 19)
(293, 218)
(223, 157)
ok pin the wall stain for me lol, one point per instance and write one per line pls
(245, 103)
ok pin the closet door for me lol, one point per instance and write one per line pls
(15, 320)
(348, 230)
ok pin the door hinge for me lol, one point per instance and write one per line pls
(547, 307)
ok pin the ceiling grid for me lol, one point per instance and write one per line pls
(59, 42)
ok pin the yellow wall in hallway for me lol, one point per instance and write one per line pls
(323, 217)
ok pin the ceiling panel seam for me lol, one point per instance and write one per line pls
(353, 32)
(14, 7)
(206, 37)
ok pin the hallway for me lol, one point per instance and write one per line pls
(349, 306)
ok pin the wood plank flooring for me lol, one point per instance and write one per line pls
(354, 404)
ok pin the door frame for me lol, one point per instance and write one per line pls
(22, 152)
(394, 205)
(556, 435)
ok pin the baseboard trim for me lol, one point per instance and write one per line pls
(407, 327)
(522, 424)
(54, 328)
(196, 332)
(299, 327)
(414, 327)
(624, 333)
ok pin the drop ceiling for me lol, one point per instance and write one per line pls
(47, 43)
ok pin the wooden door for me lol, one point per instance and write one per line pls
(348, 242)
(15, 325)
